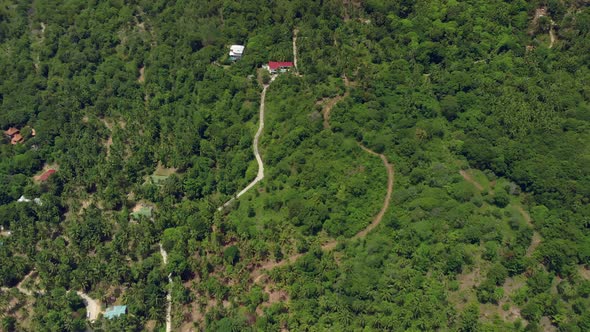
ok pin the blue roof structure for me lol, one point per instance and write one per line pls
(115, 311)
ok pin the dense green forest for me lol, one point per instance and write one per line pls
(478, 111)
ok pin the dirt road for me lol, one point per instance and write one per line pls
(332, 102)
(259, 272)
(92, 306)
(20, 287)
(390, 179)
(470, 179)
(260, 174)
(295, 32)
(536, 240)
(169, 295)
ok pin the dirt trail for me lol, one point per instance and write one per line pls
(552, 34)
(260, 174)
(332, 102)
(536, 240)
(525, 215)
(92, 306)
(141, 78)
(544, 12)
(169, 294)
(19, 286)
(23, 290)
(470, 179)
(295, 32)
(386, 201)
(259, 272)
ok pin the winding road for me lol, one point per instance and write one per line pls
(260, 271)
(260, 174)
(92, 306)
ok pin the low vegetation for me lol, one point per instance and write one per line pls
(482, 108)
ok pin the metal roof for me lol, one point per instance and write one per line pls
(115, 311)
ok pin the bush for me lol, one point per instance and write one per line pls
(231, 255)
(501, 199)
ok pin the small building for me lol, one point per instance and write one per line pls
(17, 138)
(115, 311)
(46, 175)
(236, 52)
(142, 211)
(23, 199)
(14, 134)
(11, 131)
(278, 67)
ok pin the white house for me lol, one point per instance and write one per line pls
(236, 52)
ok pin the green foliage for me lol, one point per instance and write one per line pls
(435, 86)
(231, 255)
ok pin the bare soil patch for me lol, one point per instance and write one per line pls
(110, 123)
(138, 206)
(584, 272)
(470, 279)
(150, 325)
(192, 315)
(161, 170)
(141, 78)
(108, 144)
(536, 240)
(274, 296)
(546, 325)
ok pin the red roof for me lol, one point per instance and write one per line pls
(272, 65)
(16, 138)
(11, 131)
(46, 175)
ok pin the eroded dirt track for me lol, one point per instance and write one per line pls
(260, 271)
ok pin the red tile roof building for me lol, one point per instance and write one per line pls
(16, 138)
(46, 175)
(15, 135)
(274, 66)
(11, 131)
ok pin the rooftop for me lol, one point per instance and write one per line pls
(273, 65)
(115, 311)
(16, 138)
(46, 175)
(11, 131)
(236, 50)
(139, 211)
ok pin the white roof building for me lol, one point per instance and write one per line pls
(23, 199)
(236, 51)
